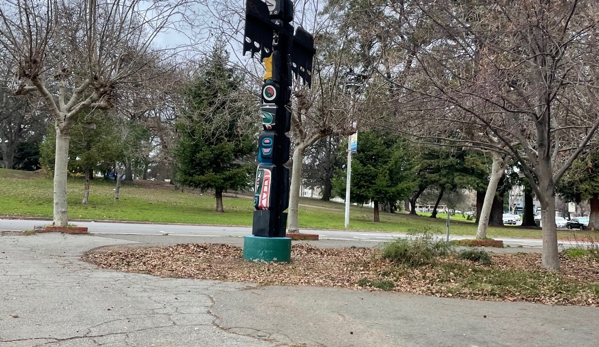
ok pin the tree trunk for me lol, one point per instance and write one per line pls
(377, 217)
(128, 171)
(546, 195)
(414, 198)
(550, 256)
(528, 218)
(119, 176)
(497, 169)
(406, 205)
(480, 199)
(327, 189)
(329, 169)
(594, 216)
(544, 163)
(218, 194)
(144, 176)
(86, 187)
(8, 159)
(294, 192)
(496, 217)
(60, 176)
(8, 155)
(434, 214)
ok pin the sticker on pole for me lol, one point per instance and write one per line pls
(269, 112)
(271, 4)
(263, 185)
(269, 92)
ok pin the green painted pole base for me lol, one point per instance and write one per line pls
(270, 249)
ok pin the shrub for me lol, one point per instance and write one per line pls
(385, 285)
(476, 255)
(587, 245)
(363, 282)
(425, 230)
(416, 251)
(479, 243)
(576, 253)
(593, 250)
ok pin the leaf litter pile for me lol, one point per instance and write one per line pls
(510, 277)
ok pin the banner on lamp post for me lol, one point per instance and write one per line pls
(353, 143)
(572, 207)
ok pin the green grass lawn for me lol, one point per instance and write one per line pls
(28, 194)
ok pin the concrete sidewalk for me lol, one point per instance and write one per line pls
(48, 296)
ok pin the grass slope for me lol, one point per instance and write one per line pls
(29, 194)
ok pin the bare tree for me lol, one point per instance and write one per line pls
(81, 56)
(317, 112)
(344, 94)
(19, 120)
(321, 161)
(15, 123)
(514, 80)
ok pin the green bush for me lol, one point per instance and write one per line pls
(425, 230)
(593, 250)
(476, 255)
(416, 251)
(588, 247)
(385, 285)
(363, 282)
(576, 253)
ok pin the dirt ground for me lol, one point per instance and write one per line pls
(510, 277)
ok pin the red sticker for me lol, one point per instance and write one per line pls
(269, 93)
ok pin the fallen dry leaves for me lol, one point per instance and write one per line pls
(515, 277)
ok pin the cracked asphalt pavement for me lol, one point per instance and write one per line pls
(49, 297)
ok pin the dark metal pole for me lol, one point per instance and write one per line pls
(272, 177)
(268, 31)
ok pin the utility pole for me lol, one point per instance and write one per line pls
(352, 147)
(348, 182)
(268, 31)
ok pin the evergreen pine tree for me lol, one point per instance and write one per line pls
(216, 130)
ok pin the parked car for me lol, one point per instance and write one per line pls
(561, 222)
(578, 223)
(510, 219)
(584, 220)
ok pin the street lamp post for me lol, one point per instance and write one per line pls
(352, 147)
(348, 182)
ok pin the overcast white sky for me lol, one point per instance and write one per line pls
(200, 27)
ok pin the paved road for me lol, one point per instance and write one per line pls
(219, 231)
(49, 297)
